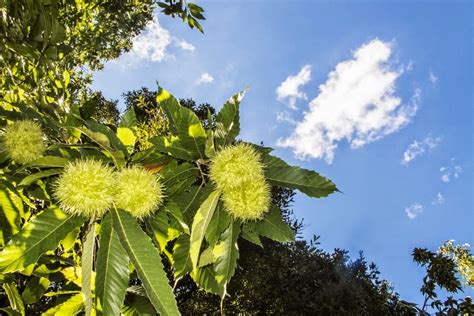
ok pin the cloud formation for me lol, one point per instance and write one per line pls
(205, 78)
(151, 44)
(433, 78)
(289, 90)
(447, 173)
(357, 103)
(185, 45)
(439, 200)
(418, 148)
(414, 210)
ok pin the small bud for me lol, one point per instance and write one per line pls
(23, 141)
(85, 188)
(138, 191)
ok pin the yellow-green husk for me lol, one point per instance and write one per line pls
(85, 188)
(23, 141)
(138, 191)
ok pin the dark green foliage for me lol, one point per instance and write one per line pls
(101, 109)
(441, 272)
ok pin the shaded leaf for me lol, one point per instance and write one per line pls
(272, 226)
(227, 121)
(41, 234)
(147, 262)
(200, 223)
(309, 182)
(112, 271)
(226, 253)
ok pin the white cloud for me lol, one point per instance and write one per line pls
(185, 45)
(447, 173)
(289, 90)
(152, 43)
(356, 103)
(439, 199)
(414, 210)
(205, 78)
(418, 148)
(286, 117)
(433, 78)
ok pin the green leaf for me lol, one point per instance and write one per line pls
(251, 236)
(181, 257)
(112, 271)
(272, 226)
(210, 146)
(205, 278)
(309, 182)
(228, 121)
(173, 209)
(158, 227)
(172, 147)
(147, 261)
(185, 124)
(41, 234)
(226, 253)
(219, 222)
(177, 178)
(48, 162)
(191, 199)
(87, 263)
(137, 305)
(129, 119)
(200, 223)
(207, 257)
(72, 306)
(14, 297)
(40, 175)
(34, 289)
(10, 215)
(126, 136)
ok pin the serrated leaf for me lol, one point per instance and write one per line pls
(226, 253)
(210, 149)
(175, 212)
(158, 227)
(251, 236)
(40, 234)
(129, 119)
(34, 289)
(137, 305)
(272, 226)
(40, 175)
(184, 124)
(72, 306)
(176, 178)
(112, 271)
(87, 263)
(10, 215)
(147, 262)
(181, 257)
(48, 162)
(14, 297)
(279, 173)
(200, 224)
(205, 278)
(207, 257)
(191, 199)
(219, 222)
(228, 121)
(172, 147)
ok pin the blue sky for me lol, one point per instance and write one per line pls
(378, 97)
